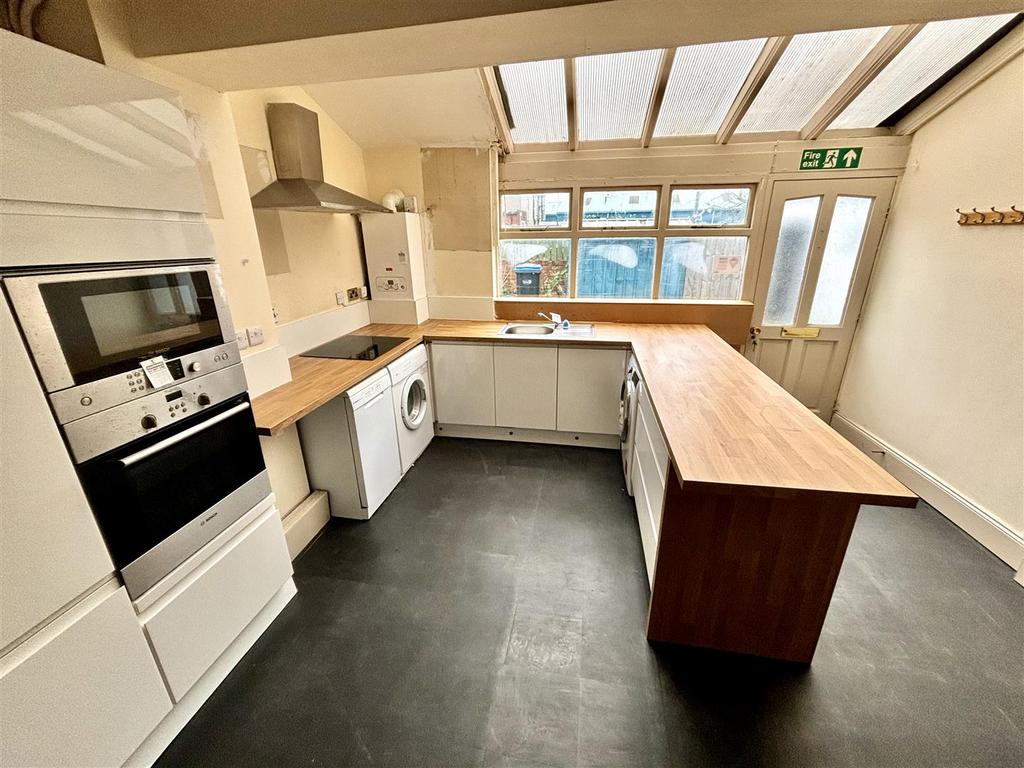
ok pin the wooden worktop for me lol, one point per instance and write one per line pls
(725, 422)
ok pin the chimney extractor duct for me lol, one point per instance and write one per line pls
(300, 185)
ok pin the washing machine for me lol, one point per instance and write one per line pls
(414, 415)
(629, 398)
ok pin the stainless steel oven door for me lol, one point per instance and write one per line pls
(84, 327)
(160, 498)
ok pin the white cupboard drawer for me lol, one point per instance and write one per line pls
(589, 381)
(648, 535)
(653, 468)
(658, 445)
(84, 690)
(525, 383)
(463, 379)
(191, 625)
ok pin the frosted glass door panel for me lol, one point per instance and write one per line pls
(795, 234)
(845, 236)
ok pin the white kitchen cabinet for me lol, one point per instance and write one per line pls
(84, 690)
(201, 616)
(649, 478)
(76, 136)
(589, 381)
(463, 379)
(51, 550)
(525, 386)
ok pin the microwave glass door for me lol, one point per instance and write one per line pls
(108, 325)
(139, 502)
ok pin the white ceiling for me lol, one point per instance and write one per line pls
(430, 110)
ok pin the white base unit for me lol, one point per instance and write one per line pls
(649, 479)
(589, 382)
(525, 385)
(463, 376)
(192, 624)
(84, 690)
(157, 741)
(350, 445)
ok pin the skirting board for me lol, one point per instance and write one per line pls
(304, 522)
(461, 307)
(178, 717)
(977, 522)
(516, 435)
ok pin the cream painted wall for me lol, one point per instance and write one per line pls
(393, 167)
(459, 190)
(936, 370)
(312, 255)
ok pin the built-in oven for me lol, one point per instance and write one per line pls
(144, 376)
(161, 497)
(89, 331)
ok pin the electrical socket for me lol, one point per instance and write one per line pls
(353, 294)
(255, 334)
(339, 296)
(242, 339)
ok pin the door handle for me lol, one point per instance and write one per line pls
(755, 331)
(185, 434)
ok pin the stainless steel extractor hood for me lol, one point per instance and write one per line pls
(300, 185)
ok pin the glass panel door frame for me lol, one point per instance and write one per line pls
(791, 344)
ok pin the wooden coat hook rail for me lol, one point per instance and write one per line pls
(991, 216)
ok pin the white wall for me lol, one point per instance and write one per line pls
(936, 372)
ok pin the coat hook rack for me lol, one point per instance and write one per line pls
(991, 216)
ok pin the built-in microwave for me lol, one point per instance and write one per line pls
(89, 331)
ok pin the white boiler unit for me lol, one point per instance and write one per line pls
(394, 261)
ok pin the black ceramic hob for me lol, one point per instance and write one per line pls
(355, 347)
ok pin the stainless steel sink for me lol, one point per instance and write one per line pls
(545, 329)
(527, 329)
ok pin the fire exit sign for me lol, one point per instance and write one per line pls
(828, 159)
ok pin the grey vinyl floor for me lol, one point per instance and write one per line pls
(492, 611)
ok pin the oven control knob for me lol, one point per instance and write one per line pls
(195, 367)
(203, 399)
(148, 421)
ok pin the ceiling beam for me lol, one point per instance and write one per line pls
(884, 51)
(570, 102)
(497, 104)
(658, 94)
(770, 54)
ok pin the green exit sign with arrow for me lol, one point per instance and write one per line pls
(830, 159)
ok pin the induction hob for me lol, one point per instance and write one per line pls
(355, 347)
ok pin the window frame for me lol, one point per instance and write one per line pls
(758, 185)
(705, 227)
(568, 221)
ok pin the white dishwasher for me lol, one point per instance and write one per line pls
(351, 448)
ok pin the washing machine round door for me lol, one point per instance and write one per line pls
(414, 401)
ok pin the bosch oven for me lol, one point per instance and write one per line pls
(145, 378)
